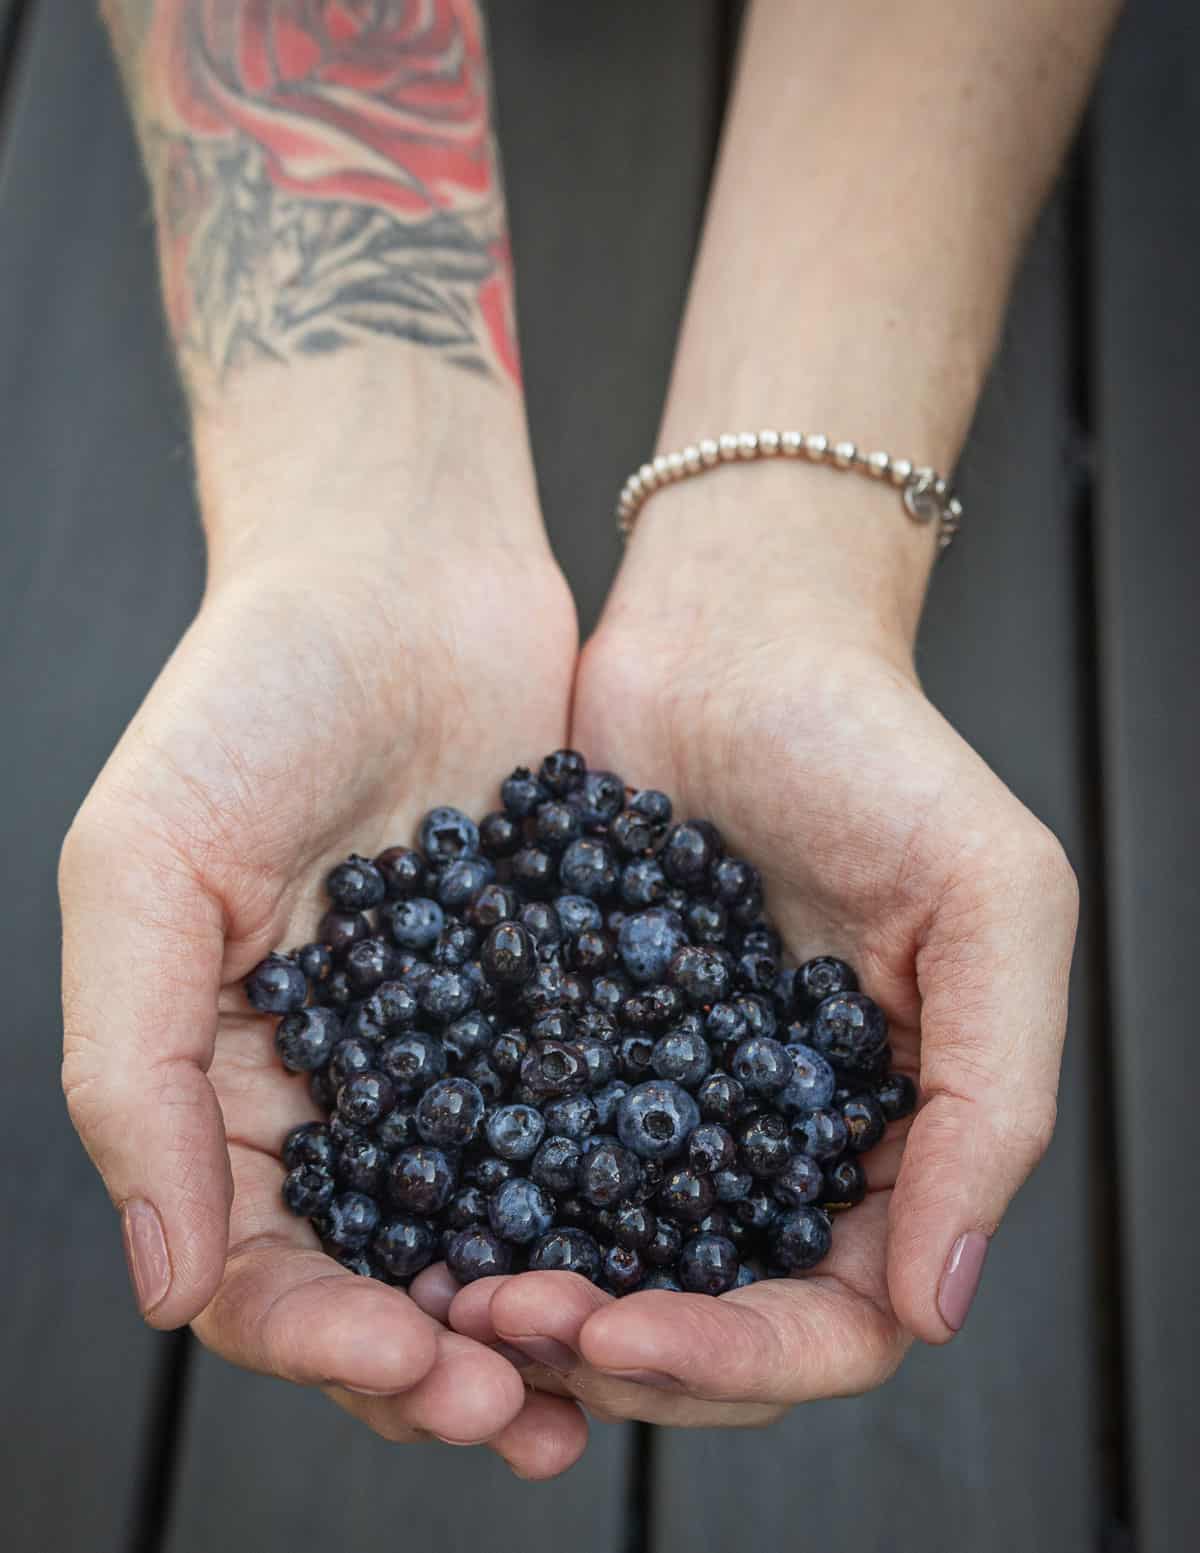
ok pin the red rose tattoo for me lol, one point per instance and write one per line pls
(325, 174)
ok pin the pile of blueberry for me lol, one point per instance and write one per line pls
(567, 1038)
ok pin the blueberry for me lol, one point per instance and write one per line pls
(568, 1250)
(763, 1147)
(306, 1038)
(447, 995)
(762, 1066)
(653, 806)
(403, 1245)
(415, 923)
(845, 1184)
(322, 1089)
(365, 1097)
(811, 1084)
(349, 1221)
(351, 1055)
(368, 962)
(490, 1173)
(446, 833)
(660, 1278)
(897, 1096)
(758, 1210)
(316, 961)
(609, 992)
(800, 1238)
(633, 1225)
(588, 868)
(397, 1128)
(608, 1175)
(711, 1148)
(276, 986)
(450, 1113)
(355, 885)
(708, 1264)
(553, 1068)
(308, 1144)
(732, 1186)
(521, 1211)
(848, 1025)
(456, 947)
(665, 1244)
(686, 1194)
(357, 1262)
(648, 943)
(508, 1052)
(499, 834)
(307, 1189)
(734, 881)
(756, 972)
(757, 1015)
(622, 1270)
(801, 1181)
(655, 1119)
(865, 1122)
(421, 1179)
(477, 1252)
(556, 1165)
(494, 903)
(632, 834)
(478, 1068)
(467, 1207)
(534, 871)
(823, 1134)
(720, 1098)
(574, 1116)
(461, 881)
(682, 1057)
(819, 979)
(412, 1061)
(509, 954)
(600, 797)
(515, 1131)
(561, 772)
(360, 1164)
(557, 825)
(404, 872)
(396, 1005)
(521, 793)
(707, 922)
(577, 914)
(642, 883)
(338, 930)
(470, 1033)
(700, 974)
(690, 851)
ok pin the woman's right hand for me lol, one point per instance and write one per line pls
(316, 707)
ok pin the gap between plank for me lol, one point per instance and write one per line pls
(161, 1445)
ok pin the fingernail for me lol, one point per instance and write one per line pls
(146, 1253)
(514, 1356)
(654, 1378)
(544, 1350)
(964, 1266)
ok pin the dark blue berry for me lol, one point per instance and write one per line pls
(665, 1244)
(461, 881)
(404, 872)
(734, 881)
(731, 1186)
(478, 1068)
(397, 1128)
(521, 793)
(811, 1084)
(587, 868)
(509, 954)
(865, 1122)
(757, 1014)
(608, 1099)
(801, 1181)
(351, 1055)
(308, 1144)
(368, 962)
(819, 979)
(574, 1116)
(553, 1068)
(521, 1211)
(447, 995)
(305, 1039)
(316, 961)
(412, 1061)
(762, 1066)
(653, 806)
(477, 1252)
(681, 1056)
(308, 1190)
(490, 1173)
(608, 1174)
(848, 1025)
(467, 1207)
(415, 923)
(623, 1269)
(763, 1145)
(823, 1134)
(403, 1245)
(276, 986)
(656, 1118)
(568, 1250)
(690, 851)
(700, 974)
(360, 1164)
(556, 1165)
(633, 1225)
(707, 922)
(355, 885)
(534, 871)
(421, 1179)
(708, 1264)
(686, 1195)
(338, 930)
(322, 1089)
(642, 883)
(800, 1238)
(897, 1096)
(711, 1148)
(845, 1184)
(349, 1221)
(499, 834)
(450, 1113)
(648, 943)
(720, 1098)
(495, 903)
(515, 1131)
(446, 834)
(508, 1052)
(561, 772)
(756, 972)
(557, 825)
(365, 1097)
(600, 797)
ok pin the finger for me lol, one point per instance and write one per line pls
(433, 1291)
(780, 1342)
(542, 1314)
(142, 953)
(547, 1436)
(993, 978)
(285, 1308)
(469, 1397)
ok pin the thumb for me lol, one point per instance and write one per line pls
(993, 980)
(142, 957)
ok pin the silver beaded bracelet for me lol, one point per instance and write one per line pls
(927, 495)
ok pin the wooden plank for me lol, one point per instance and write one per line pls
(99, 572)
(603, 233)
(1147, 327)
(988, 1444)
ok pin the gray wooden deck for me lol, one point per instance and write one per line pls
(1062, 638)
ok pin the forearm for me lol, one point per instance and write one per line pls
(879, 173)
(335, 267)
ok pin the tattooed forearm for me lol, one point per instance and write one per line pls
(324, 174)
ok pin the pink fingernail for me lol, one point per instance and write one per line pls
(545, 1350)
(146, 1254)
(654, 1378)
(964, 1267)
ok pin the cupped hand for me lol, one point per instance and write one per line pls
(314, 708)
(799, 726)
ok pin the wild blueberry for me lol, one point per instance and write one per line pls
(368, 962)
(521, 793)
(708, 1264)
(761, 1065)
(342, 1131)
(661, 1278)
(847, 1025)
(602, 1063)
(732, 1186)
(349, 1221)
(305, 1039)
(656, 1118)
(351, 1055)
(756, 971)
(800, 1238)
(307, 1190)
(557, 825)
(608, 1100)
(397, 1128)
(489, 1173)
(404, 872)
(865, 1120)
(403, 1245)
(421, 1179)
(520, 1211)
(556, 1165)
(477, 1252)
(811, 1084)
(681, 1056)
(648, 943)
(632, 834)
(572, 1117)
(700, 974)
(801, 1181)
(478, 1068)
(316, 961)
(758, 1210)
(763, 1147)
(623, 1270)
(450, 1113)
(734, 880)
(461, 881)
(587, 868)
(355, 885)
(414, 923)
(609, 992)
(845, 1184)
(686, 1195)
(819, 979)
(642, 883)
(608, 1175)
(359, 1165)
(468, 1206)
(600, 797)
(823, 1134)
(633, 1225)
(509, 954)
(338, 930)
(515, 1131)
(552, 1068)
(757, 1014)
(653, 806)
(592, 952)
(720, 1098)
(470, 1033)
(561, 772)
(447, 995)
(711, 1148)
(276, 986)
(897, 1096)
(707, 922)
(690, 851)
(412, 1061)
(569, 1250)
(308, 1144)
(446, 833)
(322, 1089)
(365, 1097)
(534, 871)
(499, 834)
(665, 1244)
(508, 1052)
